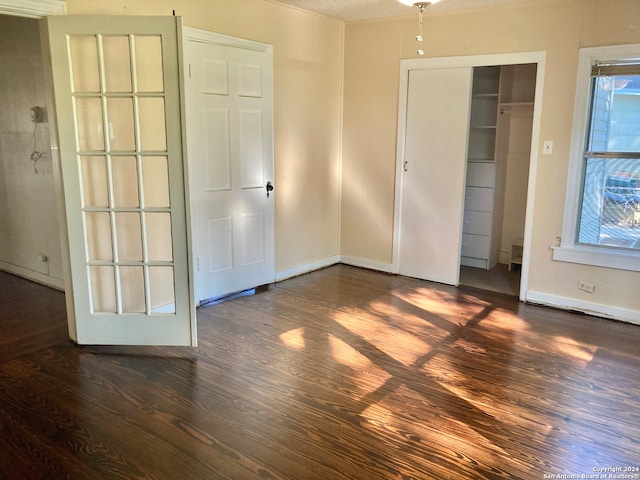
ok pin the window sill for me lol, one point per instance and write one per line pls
(600, 257)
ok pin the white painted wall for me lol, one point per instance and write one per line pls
(28, 215)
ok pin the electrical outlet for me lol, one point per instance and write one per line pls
(586, 286)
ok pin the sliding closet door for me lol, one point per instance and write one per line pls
(434, 167)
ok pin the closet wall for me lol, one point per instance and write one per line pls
(497, 163)
(515, 123)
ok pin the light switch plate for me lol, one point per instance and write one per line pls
(547, 148)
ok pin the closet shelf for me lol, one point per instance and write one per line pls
(481, 159)
(507, 106)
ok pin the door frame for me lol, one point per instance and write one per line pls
(406, 65)
(211, 38)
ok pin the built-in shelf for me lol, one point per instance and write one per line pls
(515, 256)
(481, 159)
(516, 104)
(510, 106)
(477, 229)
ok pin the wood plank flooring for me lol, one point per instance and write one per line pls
(31, 316)
(339, 374)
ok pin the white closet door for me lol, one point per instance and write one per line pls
(436, 142)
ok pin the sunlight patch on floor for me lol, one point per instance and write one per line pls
(400, 345)
(505, 414)
(293, 338)
(368, 377)
(345, 354)
(436, 426)
(576, 351)
(402, 319)
(442, 304)
(505, 320)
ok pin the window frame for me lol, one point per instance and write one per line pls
(569, 250)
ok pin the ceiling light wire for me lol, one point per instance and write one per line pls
(421, 9)
(421, 6)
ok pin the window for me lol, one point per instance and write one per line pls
(602, 212)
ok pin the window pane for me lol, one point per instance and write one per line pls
(84, 64)
(159, 244)
(103, 290)
(615, 114)
(132, 289)
(125, 181)
(610, 214)
(95, 190)
(149, 63)
(98, 236)
(121, 131)
(155, 179)
(129, 236)
(89, 121)
(117, 64)
(162, 286)
(152, 124)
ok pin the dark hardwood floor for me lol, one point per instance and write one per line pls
(31, 317)
(339, 374)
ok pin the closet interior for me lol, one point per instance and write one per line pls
(498, 156)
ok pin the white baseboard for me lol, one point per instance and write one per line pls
(32, 275)
(607, 311)
(306, 268)
(327, 262)
(366, 263)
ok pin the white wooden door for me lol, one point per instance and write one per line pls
(231, 167)
(117, 97)
(437, 126)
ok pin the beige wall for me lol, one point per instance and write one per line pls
(372, 57)
(307, 108)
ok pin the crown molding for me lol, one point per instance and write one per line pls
(33, 8)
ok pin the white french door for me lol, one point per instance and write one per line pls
(433, 173)
(231, 166)
(117, 98)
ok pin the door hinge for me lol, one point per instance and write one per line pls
(189, 70)
(198, 264)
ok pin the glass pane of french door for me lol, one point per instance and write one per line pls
(123, 127)
(119, 112)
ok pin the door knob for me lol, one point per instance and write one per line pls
(269, 188)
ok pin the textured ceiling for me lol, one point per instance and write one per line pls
(350, 10)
